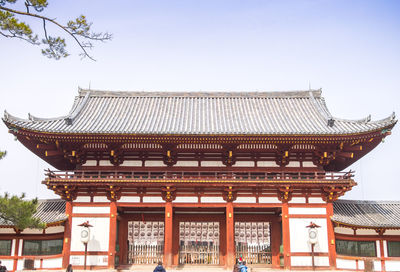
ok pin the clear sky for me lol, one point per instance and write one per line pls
(350, 49)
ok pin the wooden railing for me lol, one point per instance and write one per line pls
(199, 175)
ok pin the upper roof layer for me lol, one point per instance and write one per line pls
(48, 211)
(251, 113)
(370, 214)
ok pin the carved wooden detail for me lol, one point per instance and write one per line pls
(229, 155)
(285, 194)
(230, 194)
(168, 193)
(113, 193)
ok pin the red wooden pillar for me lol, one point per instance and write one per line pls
(230, 236)
(168, 235)
(276, 236)
(286, 235)
(67, 234)
(382, 251)
(331, 236)
(16, 250)
(122, 241)
(113, 234)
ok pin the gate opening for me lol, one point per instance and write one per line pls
(145, 242)
(253, 242)
(199, 242)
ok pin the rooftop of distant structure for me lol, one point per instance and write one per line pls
(200, 113)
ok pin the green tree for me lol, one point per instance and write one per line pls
(79, 29)
(2, 154)
(19, 212)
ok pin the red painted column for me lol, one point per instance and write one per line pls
(67, 234)
(383, 265)
(123, 237)
(16, 250)
(230, 237)
(276, 234)
(286, 235)
(168, 234)
(113, 234)
(331, 236)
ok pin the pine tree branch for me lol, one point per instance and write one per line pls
(106, 36)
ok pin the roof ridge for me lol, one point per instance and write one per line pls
(362, 202)
(207, 94)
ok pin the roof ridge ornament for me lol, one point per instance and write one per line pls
(71, 117)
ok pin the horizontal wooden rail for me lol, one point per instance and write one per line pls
(198, 175)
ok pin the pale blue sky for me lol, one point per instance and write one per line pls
(350, 49)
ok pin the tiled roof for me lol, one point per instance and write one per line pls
(373, 214)
(49, 211)
(251, 113)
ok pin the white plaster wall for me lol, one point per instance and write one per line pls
(56, 229)
(187, 163)
(377, 266)
(20, 247)
(299, 241)
(132, 163)
(153, 199)
(90, 163)
(100, 199)
(366, 232)
(129, 199)
(20, 264)
(13, 243)
(105, 163)
(8, 263)
(186, 199)
(52, 263)
(32, 231)
(392, 265)
(345, 264)
(272, 200)
(315, 200)
(293, 164)
(298, 200)
(360, 264)
(307, 260)
(90, 260)
(378, 249)
(212, 199)
(342, 230)
(36, 263)
(385, 250)
(245, 200)
(308, 164)
(267, 164)
(154, 163)
(82, 199)
(392, 232)
(245, 163)
(7, 231)
(99, 234)
(212, 163)
(307, 210)
(90, 210)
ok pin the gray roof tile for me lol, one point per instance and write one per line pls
(373, 214)
(274, 113)
(48, 210)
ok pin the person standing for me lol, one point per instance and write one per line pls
(243, 267)
(69, 268)
(3, 268)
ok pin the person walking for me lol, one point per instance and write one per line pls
(243, 267)
(69, 268)
(159, 268)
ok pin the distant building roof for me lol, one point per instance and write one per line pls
(369, 214)
(233, 113)
(49, 211)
